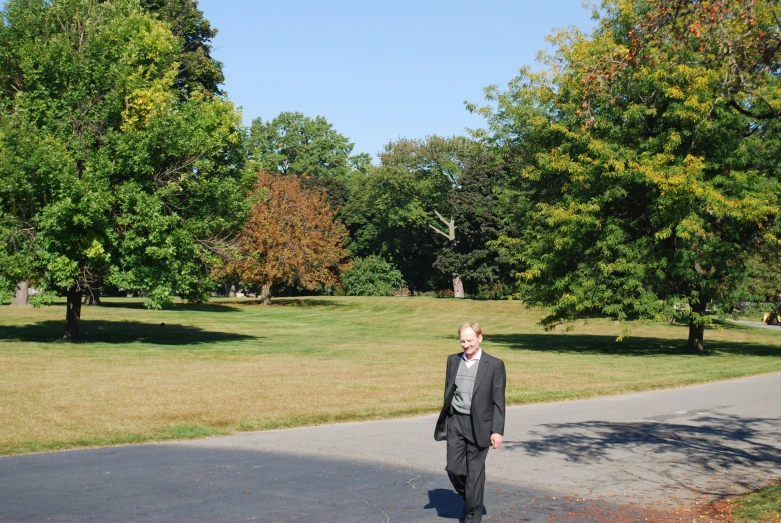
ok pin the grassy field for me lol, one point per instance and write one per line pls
(763, 506)
(141, 375)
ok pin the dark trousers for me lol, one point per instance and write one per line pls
(466, 464)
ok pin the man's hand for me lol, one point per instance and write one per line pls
(496, 440)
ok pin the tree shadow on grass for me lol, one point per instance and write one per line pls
(180, 307)
(224, 305)
(631, 346)
(711, 443)
(119, 332)
(295, 303)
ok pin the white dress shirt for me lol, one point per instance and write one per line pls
(474, 359)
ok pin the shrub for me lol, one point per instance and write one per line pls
(372, 276)
(493, 291)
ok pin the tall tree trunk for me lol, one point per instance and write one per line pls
(232, 291)
(696, 328)
(73, 314)
(265, 294)
(458, 287)
(22, 294)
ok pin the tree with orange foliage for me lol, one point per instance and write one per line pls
(290, 237)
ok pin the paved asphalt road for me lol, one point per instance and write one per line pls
(655, 456)
(759, 324)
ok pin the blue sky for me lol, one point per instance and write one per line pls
(378, 70)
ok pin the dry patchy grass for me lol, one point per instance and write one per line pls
(141, 375)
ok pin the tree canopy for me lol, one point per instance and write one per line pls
(636, 175)
(197, 68)
(475, 214)
(112, 174)
(291, 237)
(392, 206)
(293, 143)
(643, 160)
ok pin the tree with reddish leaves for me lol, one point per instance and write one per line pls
(291, 237)
(737, 42)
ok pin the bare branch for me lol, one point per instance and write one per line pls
(446, 235)
(451, 225)
(162, 178)
(226, 247)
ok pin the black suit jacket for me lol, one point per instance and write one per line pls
(487, 398)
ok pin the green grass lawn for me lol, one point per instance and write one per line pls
(140, 375)
(763, 506)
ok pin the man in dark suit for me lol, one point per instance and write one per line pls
(472, 417)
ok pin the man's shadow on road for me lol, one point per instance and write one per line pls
(447, 503)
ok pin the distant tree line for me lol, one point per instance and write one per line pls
(636, 175)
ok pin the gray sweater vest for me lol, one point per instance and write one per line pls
(465, 383)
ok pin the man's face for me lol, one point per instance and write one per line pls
(470, 342)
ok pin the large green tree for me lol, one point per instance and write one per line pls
(293, 143)
(392, 207)
(26, 157)
(197, 67)
(644, 160)
(476, 223)
(118, 177)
